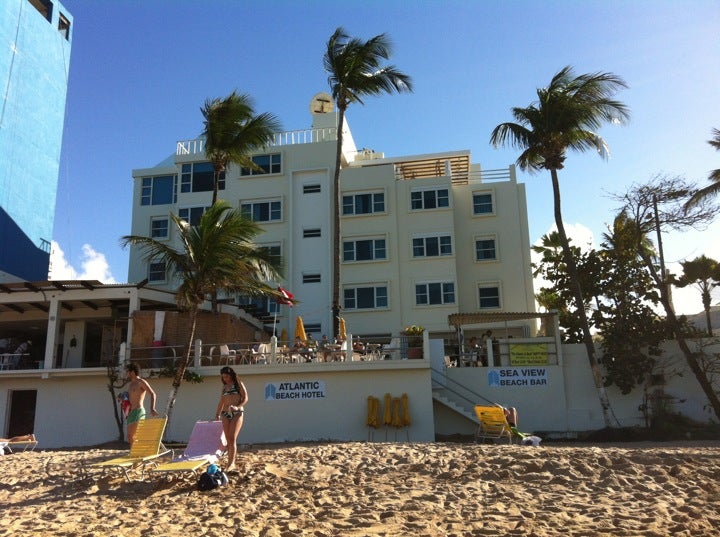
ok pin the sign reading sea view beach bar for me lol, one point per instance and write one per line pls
(517, 376)
(528, 354)
(294, 391)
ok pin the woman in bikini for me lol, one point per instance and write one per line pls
(230, 409)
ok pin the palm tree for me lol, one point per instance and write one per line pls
(566, 116)
(218, 253)
(704, 272)
(714, 187)
(232, 131)
(355, 70)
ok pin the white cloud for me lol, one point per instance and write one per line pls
(94, 265)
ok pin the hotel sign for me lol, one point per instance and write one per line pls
(294, 391)
(528, 354)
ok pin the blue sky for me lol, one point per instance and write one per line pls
(140, 71)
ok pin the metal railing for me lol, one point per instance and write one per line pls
(304, 136)
(466, 393)
(471, 176)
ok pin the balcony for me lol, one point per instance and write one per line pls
(305, 136)
(457, 167)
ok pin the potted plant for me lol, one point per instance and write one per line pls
(414, 335)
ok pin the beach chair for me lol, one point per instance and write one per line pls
(24, 444)
(146, 447)
(493, 424)
(206, 445)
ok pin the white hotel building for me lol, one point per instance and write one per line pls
(423, 236)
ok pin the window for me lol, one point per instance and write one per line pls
(274, 251)
(364, 250)
(262, 211)
(485, 249)
(357, 298)
(313, 328)
(489, 296)
(192, 215)
(64, 27)
(266, 163)
(373, 202)
(432, 246)
(158, 190)
(258, 305)
(311, 189)
(156, 272)
(483, 203)
(309, 233)
(429, 199)
(200, 177)
(159, 228)
(311, 278)
(44, 7)
(434, 293)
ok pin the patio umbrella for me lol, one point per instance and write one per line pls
(300, 328)
(387, 410)
(405, 410)
(341, 329)
(283, 336)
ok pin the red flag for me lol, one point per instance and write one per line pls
(286, 298)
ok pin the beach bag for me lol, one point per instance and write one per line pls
(212, 478)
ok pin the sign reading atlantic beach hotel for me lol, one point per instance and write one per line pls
(310, 389)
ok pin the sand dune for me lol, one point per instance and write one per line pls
(354, 489)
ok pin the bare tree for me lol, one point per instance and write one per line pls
(662, 203)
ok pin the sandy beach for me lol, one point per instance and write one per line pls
(353, 489)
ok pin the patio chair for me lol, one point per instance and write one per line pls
(262, 355)
(9, 361)
(206, 445)
(391, 351)
(493, 424)
(227, 355)
(146, 447)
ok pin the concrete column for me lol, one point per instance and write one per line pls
(53, 332)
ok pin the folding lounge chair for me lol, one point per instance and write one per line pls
(24, 445)
(207, 443)
(146, 447)
(493, 424)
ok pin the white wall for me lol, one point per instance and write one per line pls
(74, 407)
(77, 411)
(570, 403)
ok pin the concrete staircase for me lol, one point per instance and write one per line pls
(455, 403)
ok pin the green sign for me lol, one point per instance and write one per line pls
(528, 354)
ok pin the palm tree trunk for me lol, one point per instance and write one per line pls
(580, 303)
(692, 361)
(180, 371)
(706, 306)
(216, 181)
(336, 225)
(709, 322)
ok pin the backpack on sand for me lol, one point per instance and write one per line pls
(212, 478)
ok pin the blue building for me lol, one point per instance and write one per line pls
(36, 39)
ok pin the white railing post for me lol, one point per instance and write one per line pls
(198, 353)
(273, 349)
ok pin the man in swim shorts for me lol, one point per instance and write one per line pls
(136, 392)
